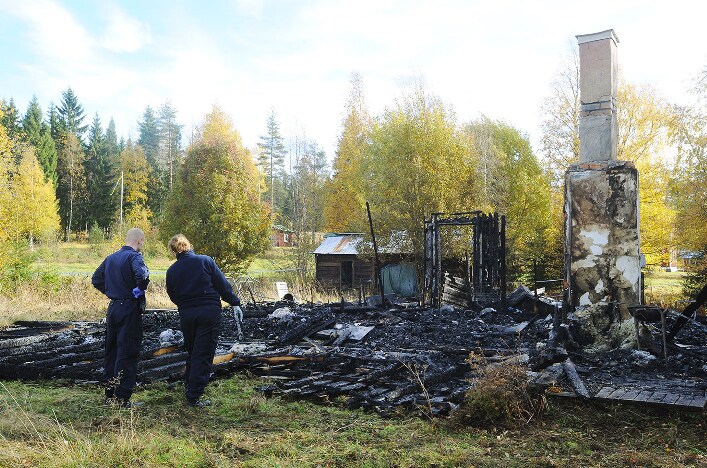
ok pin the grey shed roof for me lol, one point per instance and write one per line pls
(339, 245)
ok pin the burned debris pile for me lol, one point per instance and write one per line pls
(384, 358)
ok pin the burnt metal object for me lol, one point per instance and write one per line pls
(487, 273)
(688, 313)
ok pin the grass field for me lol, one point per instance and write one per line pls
(83, 258)
(56, 424)
(664, 287)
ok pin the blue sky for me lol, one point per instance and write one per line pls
(495, 58)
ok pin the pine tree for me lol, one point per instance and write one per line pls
(149, 141)
(170, 138)
(55, 125)
(271, 159)
(112, 146)
(71, 113)
(99, 176)
(47, 154)
(32, 122)
(38, 135)
(10, 120)
(149, 137)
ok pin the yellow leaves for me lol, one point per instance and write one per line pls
(645, 122)
(34, 202)
(136, 170)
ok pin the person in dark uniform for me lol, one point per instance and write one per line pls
(123, 277)
(196, 285)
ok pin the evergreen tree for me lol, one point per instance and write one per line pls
(149, 137)
(215, 200)
(112, 147)
(149, 140)
(514, 183)
(47, 154)
(55, 126)
(10, 120)
(271, 159)
(38, 135)
(32, 122)
(99, 176)
(170, 138)
(71, 113)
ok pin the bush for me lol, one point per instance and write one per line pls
(16, 267)
(501, 396)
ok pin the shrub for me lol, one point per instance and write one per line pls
(501, 396)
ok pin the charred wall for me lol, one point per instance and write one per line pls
(602, 235)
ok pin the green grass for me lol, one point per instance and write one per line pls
(664, 287)
(80, 258)
(55, 424)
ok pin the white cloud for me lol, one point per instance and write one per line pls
(124, 33)
(52, 31)
(252, 8)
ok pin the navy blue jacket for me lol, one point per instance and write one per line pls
(120, 273)
(195, 280)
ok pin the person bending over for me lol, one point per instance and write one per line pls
(196, 285)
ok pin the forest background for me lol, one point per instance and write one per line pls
(66, 178)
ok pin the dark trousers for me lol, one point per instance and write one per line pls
(123, 341)
(201, 326)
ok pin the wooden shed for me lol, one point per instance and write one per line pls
(338, 264)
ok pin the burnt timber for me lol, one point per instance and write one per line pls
(401, 356)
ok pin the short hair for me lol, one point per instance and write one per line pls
(179, 243)
(134, 235)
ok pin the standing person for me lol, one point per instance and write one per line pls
(123, 277)
(196, 285)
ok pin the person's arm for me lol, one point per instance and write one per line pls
(169, 283)
(222, 286)
(99, 277)
(140, 272)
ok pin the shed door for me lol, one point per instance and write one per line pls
(347, 274)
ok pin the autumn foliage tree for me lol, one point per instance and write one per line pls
(513, 183)
(215, 197)
(417, 162)
(33, 206)
(344, 209)
(136, 173)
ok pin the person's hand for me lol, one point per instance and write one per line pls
(137, 292)
(237, 311)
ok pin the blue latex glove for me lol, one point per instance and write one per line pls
(137, 292)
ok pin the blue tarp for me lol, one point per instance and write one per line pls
(400, 279)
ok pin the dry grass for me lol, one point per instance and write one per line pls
(501, 396)
(76, 299)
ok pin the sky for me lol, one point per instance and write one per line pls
(495, 57)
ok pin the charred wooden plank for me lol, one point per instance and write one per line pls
(575, 380)
(604, 392)
(307, 328)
